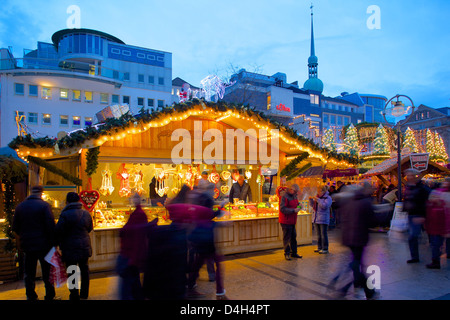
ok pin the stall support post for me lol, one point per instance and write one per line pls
(399, 164)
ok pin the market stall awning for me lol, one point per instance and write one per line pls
(313, 172)
(391, 165)
(329, 174)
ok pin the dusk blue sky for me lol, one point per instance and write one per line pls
(409, 55)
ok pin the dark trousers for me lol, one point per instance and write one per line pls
(31, 259)
(289, 238)
(359, 277)
(199, 260)
(436, 244)
(415, 230)
(322, 236)
(130, 284)
(83, 291)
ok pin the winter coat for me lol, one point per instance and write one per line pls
(72, 229)
(437, 220)
(240, 192)
(322, 209)
(288, 205)
(357, 216)
(34, 223)
(133, 239)
(415, 202)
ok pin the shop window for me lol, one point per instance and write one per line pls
(63, 120)
(47, 119)
(46, 93)
(32, 118)
(64, 94)
(33, 90)
(19, 88)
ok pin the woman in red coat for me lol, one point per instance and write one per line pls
(288, 219)
(437, 222)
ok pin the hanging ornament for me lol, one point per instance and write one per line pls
(107, 187)
(214, 177)
(225, 175)
(89, 199)
(161, 189)
(259, 179)
(224, 189)
(124, 176)
(248, 174)
(216, 193)
(138, 179)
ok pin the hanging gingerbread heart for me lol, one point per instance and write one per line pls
(225, 175)
(89, 199)
(216, 193)
(224, 189)
(214, 177)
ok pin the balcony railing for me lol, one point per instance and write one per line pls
(61, 65)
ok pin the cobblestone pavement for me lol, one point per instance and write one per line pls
(266, 275)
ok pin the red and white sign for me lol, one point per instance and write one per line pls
(282, 107)
(89, 199)
(419, 161)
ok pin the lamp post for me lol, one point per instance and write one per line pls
(397, 111)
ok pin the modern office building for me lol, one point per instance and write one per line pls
(60, 86)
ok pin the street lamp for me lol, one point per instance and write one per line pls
(399, 115)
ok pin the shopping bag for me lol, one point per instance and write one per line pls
(58, 275)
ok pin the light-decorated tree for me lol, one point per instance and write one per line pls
(439, 147)
(351, 141)
(431, 145)
(410, 141)
(328, 141)
(380, 144)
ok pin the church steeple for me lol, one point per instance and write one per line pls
(313, 83)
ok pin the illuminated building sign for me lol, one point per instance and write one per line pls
(282, 107)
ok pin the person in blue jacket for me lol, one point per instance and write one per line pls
(322, 205)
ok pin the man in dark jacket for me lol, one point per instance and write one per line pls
(34, 227)
(357, 217)
(415, 202)
(72, 230)
(240, 190)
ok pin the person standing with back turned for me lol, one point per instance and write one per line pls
(34, 227)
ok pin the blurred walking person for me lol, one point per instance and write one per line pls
(322, 205)
(437, 223)
(415, 202)
(34, 228)
(133, 252)
(357, 217)
(288, 219)
(72, 230)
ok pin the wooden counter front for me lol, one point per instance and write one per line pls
(234, 236)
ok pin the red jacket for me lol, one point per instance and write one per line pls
(288, 204)
(437, 220)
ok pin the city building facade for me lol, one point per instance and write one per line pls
(61, 86)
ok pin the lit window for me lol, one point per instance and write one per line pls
(76, 121)
(88, 96)
(88, 121)
(76, 95)
(46, 118)
(104, 98)
(46, 93)
(64, 94)
(33, 90)
(314, 99)
(32, 118)
(63, 120)
(19, 88)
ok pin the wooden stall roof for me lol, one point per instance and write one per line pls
(390, 166)
(228, 115)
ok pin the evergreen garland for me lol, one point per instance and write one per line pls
(298, 172)
(42, 163)
(92, 160)
(292, 166)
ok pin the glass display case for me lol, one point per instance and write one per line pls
(117, 217)
(55, 196)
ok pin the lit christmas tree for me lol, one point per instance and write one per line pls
(351, 141)
(381, 146)
(410, 141)
(441, 153)
(431, 145)
(328, 140)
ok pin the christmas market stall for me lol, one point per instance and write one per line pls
(154, 154)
